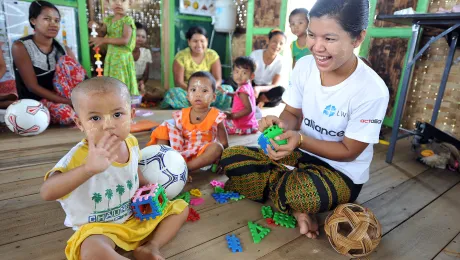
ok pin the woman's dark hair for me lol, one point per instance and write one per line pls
(245, 62)
(275, 32)
(139, 26)
(36, 8)
(195, 29)
(303, 11)
(352, 15)
(203, 74)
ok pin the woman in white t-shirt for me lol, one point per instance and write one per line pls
(142, 60)
(341, 103)
(268, 70)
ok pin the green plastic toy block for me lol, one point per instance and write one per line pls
(239, 198)
(267, 212)
(257, 231)
(218, 189)
(284, 220)
(273, 132)
(185, 196)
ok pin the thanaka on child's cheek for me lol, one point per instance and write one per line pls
(200, 92)
(96, 117)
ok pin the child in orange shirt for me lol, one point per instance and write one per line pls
(198, 132)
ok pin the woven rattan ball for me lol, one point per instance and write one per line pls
(353, 230)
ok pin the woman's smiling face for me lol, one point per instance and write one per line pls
(329, 43)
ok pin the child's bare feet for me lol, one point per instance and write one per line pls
(148, 251)
(308, 224)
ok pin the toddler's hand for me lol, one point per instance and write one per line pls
(90, 24)
(220, 89)
(102, 154)
(141, 86)
(96, 42)
(229, 115)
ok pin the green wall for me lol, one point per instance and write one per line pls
(178, 28)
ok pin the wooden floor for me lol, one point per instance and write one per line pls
(418, 207)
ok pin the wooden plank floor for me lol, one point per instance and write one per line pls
(418, 207)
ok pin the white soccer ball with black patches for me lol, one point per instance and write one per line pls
(27, 117)
(163, 165)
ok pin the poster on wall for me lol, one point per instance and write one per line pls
(14, 24)
(197, 7)
(5, 48)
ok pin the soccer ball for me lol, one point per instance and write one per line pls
(163, 165)
(27, 117)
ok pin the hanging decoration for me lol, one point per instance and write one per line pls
(241, 12)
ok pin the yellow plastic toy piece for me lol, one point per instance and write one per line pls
(384, 142)
(427, 153)
(195, 192)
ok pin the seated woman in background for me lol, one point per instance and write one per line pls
(45, 70)
(197, 57)
(268, 72)
(8, 93)
(142, 60)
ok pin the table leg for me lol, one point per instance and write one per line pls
(445, 77)
(403, 93)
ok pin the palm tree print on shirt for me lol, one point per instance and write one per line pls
(129, 184)
(108, 195)
(120, 190)
(97, 198)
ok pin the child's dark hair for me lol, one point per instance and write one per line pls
(245, 62)
(203, 74)
(296, 11)
(275, 32)
(195, 29)
(352, 15)
(36, 8)
(139, 26)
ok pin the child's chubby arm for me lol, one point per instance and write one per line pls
(124, 40)
(142, 180)
(101, 29)
(247, 107)
(222, 135)
(221, 90)
(100, 157)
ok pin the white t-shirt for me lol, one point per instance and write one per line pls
(264, 74)
(354, 108)
(106, 196)
(144, 57)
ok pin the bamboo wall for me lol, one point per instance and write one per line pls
(426, 80)
(267, 13)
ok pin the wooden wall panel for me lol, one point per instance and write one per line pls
(259, 42)
(387, 58)
(389, 7)
(267, 13)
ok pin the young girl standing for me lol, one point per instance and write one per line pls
(298, 21)
(198, 132)
(121, 40)
(242, 120)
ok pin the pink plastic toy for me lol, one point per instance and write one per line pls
(215, 183)
(196, 201)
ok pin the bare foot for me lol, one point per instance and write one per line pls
(148, 251)
(308, 224)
